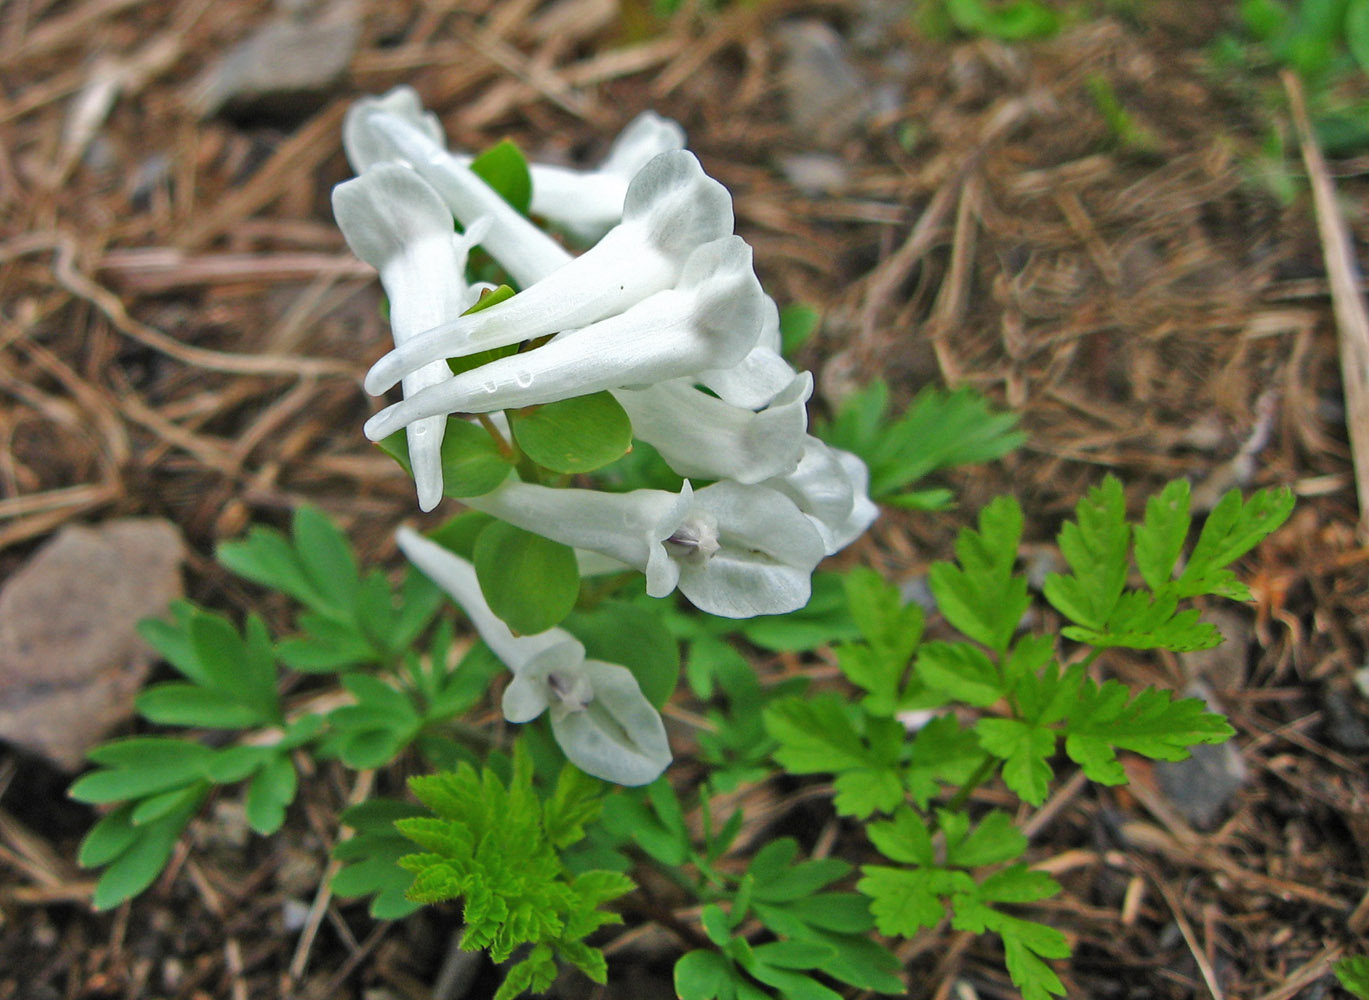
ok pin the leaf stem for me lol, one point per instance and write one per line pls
(981, 773)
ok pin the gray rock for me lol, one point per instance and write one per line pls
(71, 660)
(826, 94)
(284, 69)
(1202, 787)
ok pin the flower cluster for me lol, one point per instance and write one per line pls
(664, 311)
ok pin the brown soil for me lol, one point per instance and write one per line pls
(182, 333)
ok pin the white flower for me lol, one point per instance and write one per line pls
(713, 315)
(732, 550)
(831, 487)
(599, 715)
(673, 208)
(702, 436)
(587, 204)
(755, 380)
(393, 220)
(394, 129)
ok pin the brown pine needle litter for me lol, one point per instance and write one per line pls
(182, 334)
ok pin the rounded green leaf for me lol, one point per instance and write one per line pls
(504, 168)
(529, 581)
(702, 975)
(579, 434)
(110, 837)
(622, 633)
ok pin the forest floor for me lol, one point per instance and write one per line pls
(183, 331)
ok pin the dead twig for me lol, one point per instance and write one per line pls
(1352, 321)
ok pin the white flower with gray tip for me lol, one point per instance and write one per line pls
(393, 220)
(702, 436)
(673, 209)
(585, 203)
(713, 315)
(599, 715)
(831, 487)
(588, 203)
(385, 130)
(755, 380)
(732, 550)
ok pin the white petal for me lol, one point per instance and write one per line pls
(672, 209)
(714, 314)
(830, 486)
(365, 147)
(618, 736)
(628, 527)
(769, 551)
(588, 203)
(704, 437)
(394, 220)
(525, 251)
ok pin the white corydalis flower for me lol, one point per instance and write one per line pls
(673, 209)
(831, 488)
(713, 315)
(755, 380)
(599, 715)
(395, 129)
(588, 203)
(705, 437)
(393, 220)
(733, 550)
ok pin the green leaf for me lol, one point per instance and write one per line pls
(994, 840)
(135, 867)
(623, 633)
(141, 766)
(1357, 40)
(1160, 537)
(1153, 724)
(176, 704)
(703, 975)
(153, 808)
(371, 857)
(867, 790)
(981, 597)
(1353, 974)
(903, 901)
(798, 323)
(573, 435)
(271, 790)
(625, 816)
(326, 557)
(108, 838)
(472, 464)
(906, 838)
(960, 671)
(268, 558)
(1014, 20)
(939, 430)
(1231, 530)
(1095, 546)
(816, 735)
(942, 751)
(1140, 622)
(1018, 884)
(792, 985)
(529, 581)
(504, 168)
(1024, 749)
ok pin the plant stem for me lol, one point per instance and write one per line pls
(981, 773)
